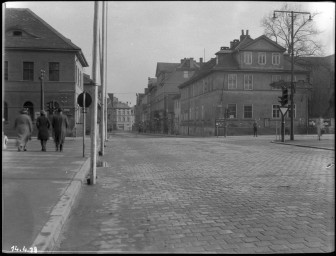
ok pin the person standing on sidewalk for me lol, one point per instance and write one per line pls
(319, 126)
(255, 129)
(24, 128)
(60, 125)
(43, 125)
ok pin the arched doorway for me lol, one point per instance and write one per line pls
(30, 106)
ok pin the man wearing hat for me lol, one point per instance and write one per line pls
(43, 125)
(60, 125)
(24, 128)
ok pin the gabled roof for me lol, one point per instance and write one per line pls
(205, 69)
(247, 40)
(165, 67)
(36, 33)
(228, 62)
(247, 43)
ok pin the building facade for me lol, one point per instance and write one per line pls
(169, 76)
(232, 90)
(35, 50)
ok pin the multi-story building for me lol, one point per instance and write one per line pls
(237, 82)
(34, 49)
(168, 77)
(120, 116)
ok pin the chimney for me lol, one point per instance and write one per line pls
(201, 60)
(242, 36)
(247, 32)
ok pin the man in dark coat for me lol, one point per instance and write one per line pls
(24, 128)
(60, 125)
(255, 129)
(43, 125)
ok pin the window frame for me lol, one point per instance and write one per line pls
(232, 86)
(248, 86)
(248, 105)
(54, 73)
(275, 56)
(248, 58)
(235, 111)
(276, 111)
(6, 70)
(29, 69)
(262, 58)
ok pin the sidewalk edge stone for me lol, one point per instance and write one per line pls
(46, 239)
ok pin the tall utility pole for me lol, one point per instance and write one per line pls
(94, 103)
(102, 78)
(291, 13)
(105, 79)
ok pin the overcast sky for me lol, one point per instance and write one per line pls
(141, 33)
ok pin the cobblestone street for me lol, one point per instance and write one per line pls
(223, 195)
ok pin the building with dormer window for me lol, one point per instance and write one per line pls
(235, 86)
(32, 45)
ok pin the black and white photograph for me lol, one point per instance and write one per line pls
(168, 127)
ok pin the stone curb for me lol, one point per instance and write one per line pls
(47, 238)
(304, 146)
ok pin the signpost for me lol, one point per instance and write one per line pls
(283, 111)
(84, 100)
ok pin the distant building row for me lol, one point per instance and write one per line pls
(192, 98)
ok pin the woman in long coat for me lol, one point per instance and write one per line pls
(24, 128)
(60, 125)
(43, 125)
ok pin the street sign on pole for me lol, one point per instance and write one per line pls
(88, 99)
(283, 110)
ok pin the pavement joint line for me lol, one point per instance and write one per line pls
(47, 238)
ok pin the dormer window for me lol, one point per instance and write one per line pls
(17, 33)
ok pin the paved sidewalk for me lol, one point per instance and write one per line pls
(38, 191)
(327, 141)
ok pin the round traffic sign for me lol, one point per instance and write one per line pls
(88, 99)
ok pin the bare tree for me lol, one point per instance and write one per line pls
(305, 33)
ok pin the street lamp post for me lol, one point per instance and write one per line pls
(292, 65)
(42, 89)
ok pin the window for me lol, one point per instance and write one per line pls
(232, 109)
(248, 82)
(275, 58)
(275, 111)
(6, 70)
(248, 57)
(262, 58)
(28, 71)
(232, 81)
(185, 74)
(53, 71)
(202, 112)
(289, 113)
(5, 111)
(247, 111)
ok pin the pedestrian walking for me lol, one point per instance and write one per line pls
(255, 129)
(319, 127)
(43, 125)
(60, 125)
(24, 128)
